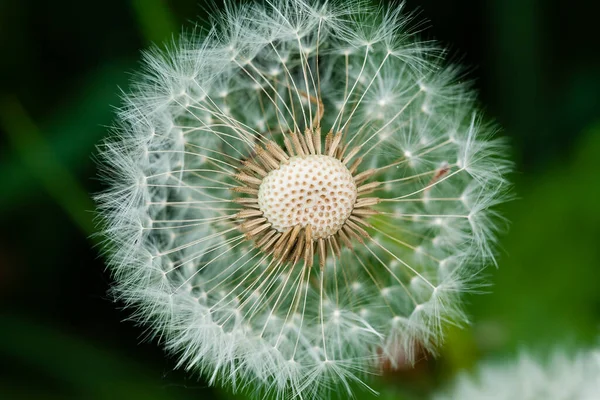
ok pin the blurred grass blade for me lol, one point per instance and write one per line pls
(85, 109)
(156, 22)
(38, 156)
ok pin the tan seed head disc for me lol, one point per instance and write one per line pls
(317, 190)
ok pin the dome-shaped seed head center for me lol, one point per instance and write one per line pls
(317, 190)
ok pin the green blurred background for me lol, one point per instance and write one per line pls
(535, 63)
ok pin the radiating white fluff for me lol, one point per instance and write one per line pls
(197, 109)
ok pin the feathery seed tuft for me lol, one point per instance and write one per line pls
(300, 195)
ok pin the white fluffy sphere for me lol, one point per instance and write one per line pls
(247, 290)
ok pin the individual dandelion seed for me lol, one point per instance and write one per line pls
(299, 194)
(559, 377)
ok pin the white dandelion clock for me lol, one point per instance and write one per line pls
(298, 194)
(561, 377)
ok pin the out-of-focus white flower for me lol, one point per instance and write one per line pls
(298, 193)
(561, 377)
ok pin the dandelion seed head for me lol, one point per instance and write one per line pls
(558, 377)
(282, 212)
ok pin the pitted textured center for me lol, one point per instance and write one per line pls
(317, 190)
